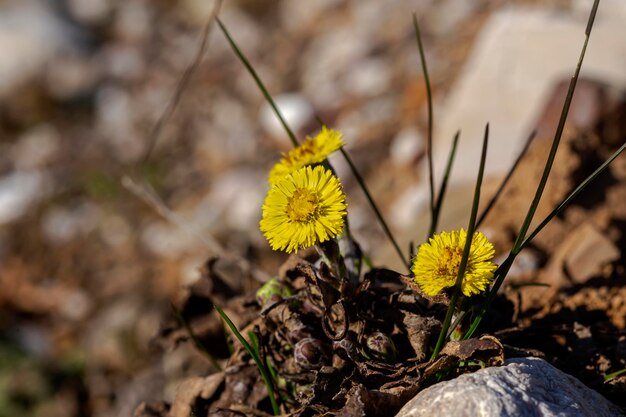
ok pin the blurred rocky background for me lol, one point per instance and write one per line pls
(87, 269)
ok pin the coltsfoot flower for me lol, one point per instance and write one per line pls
(437, 263)
(304, 208)
(311, 151)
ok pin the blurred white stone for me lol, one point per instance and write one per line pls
(296, 15)
(296, 110)
(71, 75)
(115, 120)
(63, 224)
(167, 240)
(36, 147)
(327, 60)
(89, 11)
(406, 146)
(19, 191)
(368, 77)
(406, 209)
(123, 62)
(517, 59)
(115, 230)
(448, 14)
(76, 305)
(30, 35)
(133, 20)
(234, 202)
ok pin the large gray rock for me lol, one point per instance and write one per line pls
(526, 387)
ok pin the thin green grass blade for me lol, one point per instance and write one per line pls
(466, 250)
(444, 186)
(521, 240)
(506, 179)
(372, 203)
(411, 252)
(429, 97)
(573, 195)
(257, 360)
(557, 137)
(612, 375)
(181, 320)
(258, 81)
(254, 342)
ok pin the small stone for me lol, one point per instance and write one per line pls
(580, 256)
(36, 148)
(524, 387)
(368, 77)
(18, 192)
(406, 146)
(296, 110)
(310, 354)
(90, 12)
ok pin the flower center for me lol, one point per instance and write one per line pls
(303, 206)
(450, 261)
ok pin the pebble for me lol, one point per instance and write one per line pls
(18, 192)
(296, 110)
(36, 147)
(406, 146)
(30, 35)
(523, 387)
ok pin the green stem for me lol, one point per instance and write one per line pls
(444, 185)
(466, 251)
(429, 97)
(370, 199)
(259, 83)
(181, 320)
(257, 360)
(557, 136)
(506, 179)
(521, 239)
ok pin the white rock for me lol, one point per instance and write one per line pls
(234, 202)
(368, 77)
(167, 240)
(36, 147)
(18, 192)
(296, 110)
(90, 11)
(62, 224)
(517, 59)
(524, 387)
(116, 121)
(406, 145)
(30, 35)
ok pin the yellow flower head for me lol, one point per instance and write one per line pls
(437, 263)
(304, 208)
(311, 151)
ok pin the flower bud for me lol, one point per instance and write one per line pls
(381, 347)
(310, 354)
(271, 292)
(346, 348)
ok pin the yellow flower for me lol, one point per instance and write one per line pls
(437, 263)
(304, 208)
(311, 151)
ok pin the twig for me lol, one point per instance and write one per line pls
(182, 83)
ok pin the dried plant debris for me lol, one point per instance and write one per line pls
(362, 352)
